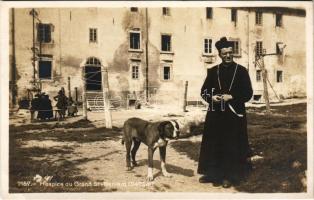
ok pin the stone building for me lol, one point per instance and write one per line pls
(173, 45)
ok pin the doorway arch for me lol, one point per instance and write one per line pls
(92, 73)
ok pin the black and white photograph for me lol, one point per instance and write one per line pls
(177, 99)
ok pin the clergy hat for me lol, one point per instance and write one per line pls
(223, 43)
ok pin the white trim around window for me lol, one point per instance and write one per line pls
(237, 46)
(133, 43)
(44, 60)
(207, 44)
(166, 72)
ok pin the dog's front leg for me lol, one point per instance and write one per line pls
(162, 151)
(150, 176)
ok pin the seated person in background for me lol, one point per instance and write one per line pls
(72, 108)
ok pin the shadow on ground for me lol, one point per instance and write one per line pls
(170, 168)
(280, 139)
(71, 132)
(26, 162)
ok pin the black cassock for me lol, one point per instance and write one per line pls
(225, 148)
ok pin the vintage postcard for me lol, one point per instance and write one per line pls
(142, 100)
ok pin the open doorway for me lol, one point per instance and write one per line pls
(93, 74)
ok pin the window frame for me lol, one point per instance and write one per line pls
(47, 58)
(258, 77)
(209, 15)
(134, 9)
(277, 48)
(93, 35)
(140, 40)
(234, 15)
(38, 34)
(282, 78)
(276, 19)
(204, 46)
(238, 54)
(166, 11)
(258, 18)
(163, 66)
(161, 43)
(257, 53)
(136, 72)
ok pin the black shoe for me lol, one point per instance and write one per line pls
(207, 179)
(217, 183)
(226, 183)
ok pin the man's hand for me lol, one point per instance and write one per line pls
(216, 98)
(226, 97)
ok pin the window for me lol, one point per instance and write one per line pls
(93, 61)
(135, 40)
(166, 11)
(278, 19)
(259, 48)
(134, 9)
(258, 75)
(209, 13)
(279, 76)
(207, 46)
(233, 15)
(93, 35)
(279, 48)
(166, 73)
(258, 18)
(236, 47)
(44, 33)
(135, 72)
(45, 67)
(166, 43)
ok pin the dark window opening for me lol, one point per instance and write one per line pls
(259, 48)
(165, 42)
(167, 73)
(92, 35)
(134, 9)
(279, 48)
(278, 19)
(257, 97)
(258, 75)
(44, 69)
(135, 72)
(44, 33)
(279, 76)
(166, 11)
(135, 39)
(207, 46)
(234, 15)
(93, 78)
(258, 18)
(209, 13)
(236, 47)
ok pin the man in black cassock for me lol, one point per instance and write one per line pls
(225, 148)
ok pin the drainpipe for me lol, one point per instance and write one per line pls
(13, 78)
(146, 52)
(34, 54)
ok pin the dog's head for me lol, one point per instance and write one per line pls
(169, 129)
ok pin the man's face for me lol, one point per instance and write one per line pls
(226, 55)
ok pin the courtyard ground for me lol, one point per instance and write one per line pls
(76, 155)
